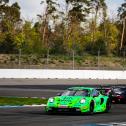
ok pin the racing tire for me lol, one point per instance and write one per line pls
(108, 106)
(50, 112)
(91, 111)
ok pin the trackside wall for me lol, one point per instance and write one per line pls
(61, 74)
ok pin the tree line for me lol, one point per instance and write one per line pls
(79, 26)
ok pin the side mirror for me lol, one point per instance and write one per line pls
(58, 94)
(95, 96)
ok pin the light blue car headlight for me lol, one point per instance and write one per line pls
(51, 100)
(82, 101)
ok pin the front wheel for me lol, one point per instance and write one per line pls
(108, 106)
(50, 112)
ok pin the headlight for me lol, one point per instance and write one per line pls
(82, 101)
(51, 100)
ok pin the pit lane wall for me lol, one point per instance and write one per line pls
(61, 74)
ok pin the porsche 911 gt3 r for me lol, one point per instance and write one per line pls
(79, 99)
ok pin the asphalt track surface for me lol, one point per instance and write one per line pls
(89, 81)
(46, 87)
(36, 116)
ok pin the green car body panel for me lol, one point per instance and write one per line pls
(79, 103)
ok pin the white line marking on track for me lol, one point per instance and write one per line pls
(113, 124)
(8, 106)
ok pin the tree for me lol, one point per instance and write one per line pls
(76, 13)
(3, 4)
(122, 14)
(97, 5)
(45, 19)
(111, 36)
(11, 17)
(29, 39)
(122, 10)
(8, 46)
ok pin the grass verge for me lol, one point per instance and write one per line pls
(18, 101)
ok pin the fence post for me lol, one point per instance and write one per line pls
(19, 61)
(124, 54)
(47, 61)
(98, 58)
(73, 60)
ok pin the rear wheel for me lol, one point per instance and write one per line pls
(108, 106)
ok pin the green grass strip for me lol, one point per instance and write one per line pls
(15, 101)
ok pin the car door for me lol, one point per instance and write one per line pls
(97, 100)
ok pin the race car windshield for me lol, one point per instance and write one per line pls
(68, 93)
(82, 93)
(76, 93)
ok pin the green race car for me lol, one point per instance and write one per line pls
(79, 99)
